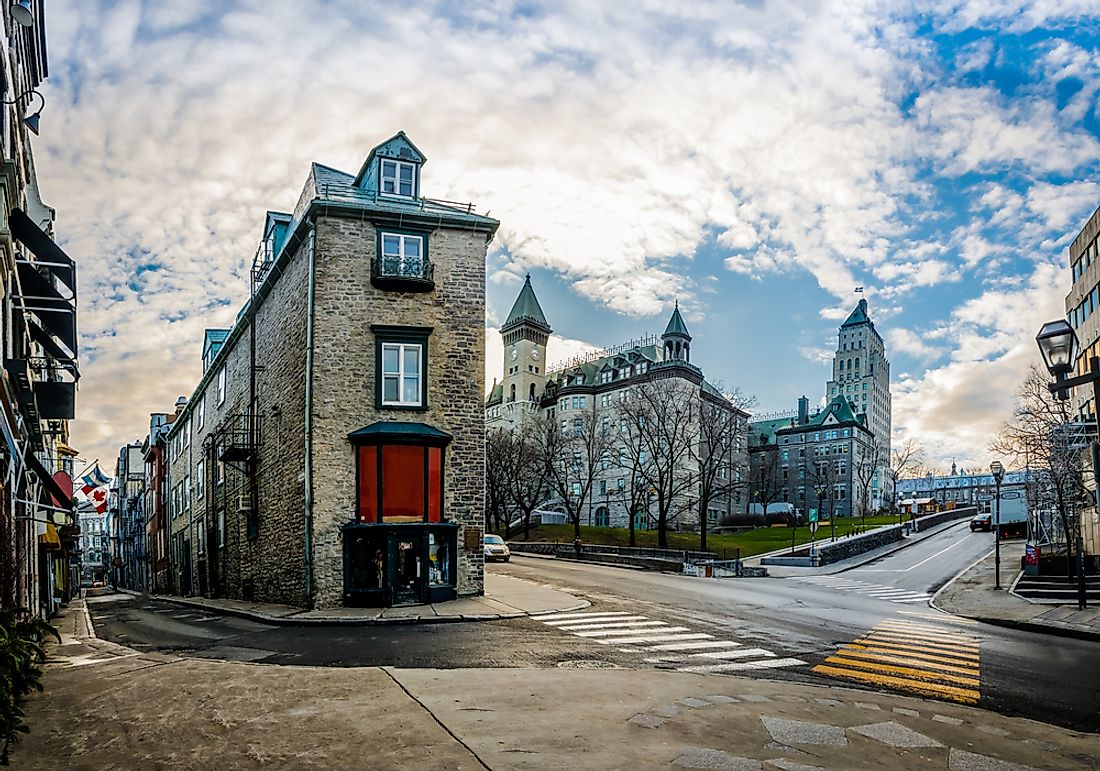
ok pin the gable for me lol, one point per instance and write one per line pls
(398, 147)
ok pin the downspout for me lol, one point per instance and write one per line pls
(310, 295)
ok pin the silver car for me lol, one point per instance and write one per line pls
(496, 549)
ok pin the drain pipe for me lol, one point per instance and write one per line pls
(310, 293)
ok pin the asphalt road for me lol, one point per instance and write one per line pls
(784, 627)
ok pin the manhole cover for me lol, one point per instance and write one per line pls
(587, 664)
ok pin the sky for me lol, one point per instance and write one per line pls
(754, 161)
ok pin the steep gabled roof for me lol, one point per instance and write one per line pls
(858, 316)
(397, 146)
(526, 309)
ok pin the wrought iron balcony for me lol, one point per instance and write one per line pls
(399, 274)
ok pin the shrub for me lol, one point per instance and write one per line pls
(21, 654)
(742, 520)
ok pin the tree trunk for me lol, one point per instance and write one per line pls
(702, 529)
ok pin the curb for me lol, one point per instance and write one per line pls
(267, 618)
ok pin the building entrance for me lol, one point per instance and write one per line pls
(403, 564)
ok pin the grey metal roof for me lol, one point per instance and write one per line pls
(527, 308)
(676, 325)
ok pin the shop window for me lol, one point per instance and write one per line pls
(400, 472)
(440, 561)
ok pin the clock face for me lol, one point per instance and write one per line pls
(535, 352)
(515, 354)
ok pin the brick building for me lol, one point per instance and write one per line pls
(333, 451)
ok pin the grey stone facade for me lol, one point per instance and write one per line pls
(294, 552)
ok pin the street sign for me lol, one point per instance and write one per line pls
(1010, 496)
(985, 497)
(813, 515)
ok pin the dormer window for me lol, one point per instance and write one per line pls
(397, 178)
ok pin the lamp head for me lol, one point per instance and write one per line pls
(22, 13)
(1058, 344)
(31, 122)
(997, 470)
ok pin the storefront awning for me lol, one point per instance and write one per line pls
(49, 254)
(392, 432)
(62, 500)
(50, 539)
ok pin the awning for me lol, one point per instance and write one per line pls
(49, 254)
(50, 539)
(46, 478)
(393, 432)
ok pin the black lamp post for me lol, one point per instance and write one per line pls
(1059, 346)
(998, 472)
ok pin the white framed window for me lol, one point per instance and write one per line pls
(221, 528)
(221, 386)
(397, 178)
(402, 253)
(200, 412)
(200, 479)
(402, 373)
(186, 493)
(187, 433)
(220, 471)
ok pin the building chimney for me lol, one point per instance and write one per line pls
(180, 404)
(803, 411)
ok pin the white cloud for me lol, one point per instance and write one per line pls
(558, 350)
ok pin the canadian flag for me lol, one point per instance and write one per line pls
(98, 497)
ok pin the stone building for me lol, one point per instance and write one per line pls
(597, 384)
(814, 460)
(333, 451)
(155, 453)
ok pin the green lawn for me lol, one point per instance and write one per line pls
(750, 542)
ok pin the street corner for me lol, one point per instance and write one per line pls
(650, 719)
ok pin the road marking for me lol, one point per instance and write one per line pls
(576, 622)
(652, 638)
(694, 645)
(962, 695)
(878, 591)
(627, 632)
(625, 625)
(739, 653)
(548, 617)
(743, 665)
(949, 548)
(912, 656)
(919, 674)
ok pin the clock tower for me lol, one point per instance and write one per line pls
(525, 334)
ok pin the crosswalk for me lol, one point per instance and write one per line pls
(921, 654)
(878, 591)
(661, 643)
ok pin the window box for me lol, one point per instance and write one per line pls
(401, 263)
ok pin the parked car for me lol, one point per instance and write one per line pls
(496, 549)
(982, 522)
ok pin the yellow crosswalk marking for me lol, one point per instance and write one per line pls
(905, 650)
(962, 695)
(912, 656)
(919, 674)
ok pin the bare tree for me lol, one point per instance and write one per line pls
(498, 447)
(528, 483)
(823, 476)
(864, 468)
(719, 452)
(1040, 438)
(660, 431)
(630, 459)
(572, 454)
(905, 462)
(765, 486)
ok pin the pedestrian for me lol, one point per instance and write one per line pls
(577, 546)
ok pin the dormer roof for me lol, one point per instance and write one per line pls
(398, 147)
(527, 309)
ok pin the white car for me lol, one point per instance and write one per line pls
(496, 549)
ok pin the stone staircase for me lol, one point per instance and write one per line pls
(1057, 589)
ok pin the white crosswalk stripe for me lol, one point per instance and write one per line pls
(878, 591)
(689, 651)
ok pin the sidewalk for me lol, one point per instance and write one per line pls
(505, 597)
(120, 709)
(787, 571)
(971, 594)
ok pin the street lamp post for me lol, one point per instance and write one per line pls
(1060, 348)
(998, 472)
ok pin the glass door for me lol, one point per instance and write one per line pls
(407, 567)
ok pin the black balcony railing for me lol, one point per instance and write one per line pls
(402, 274)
